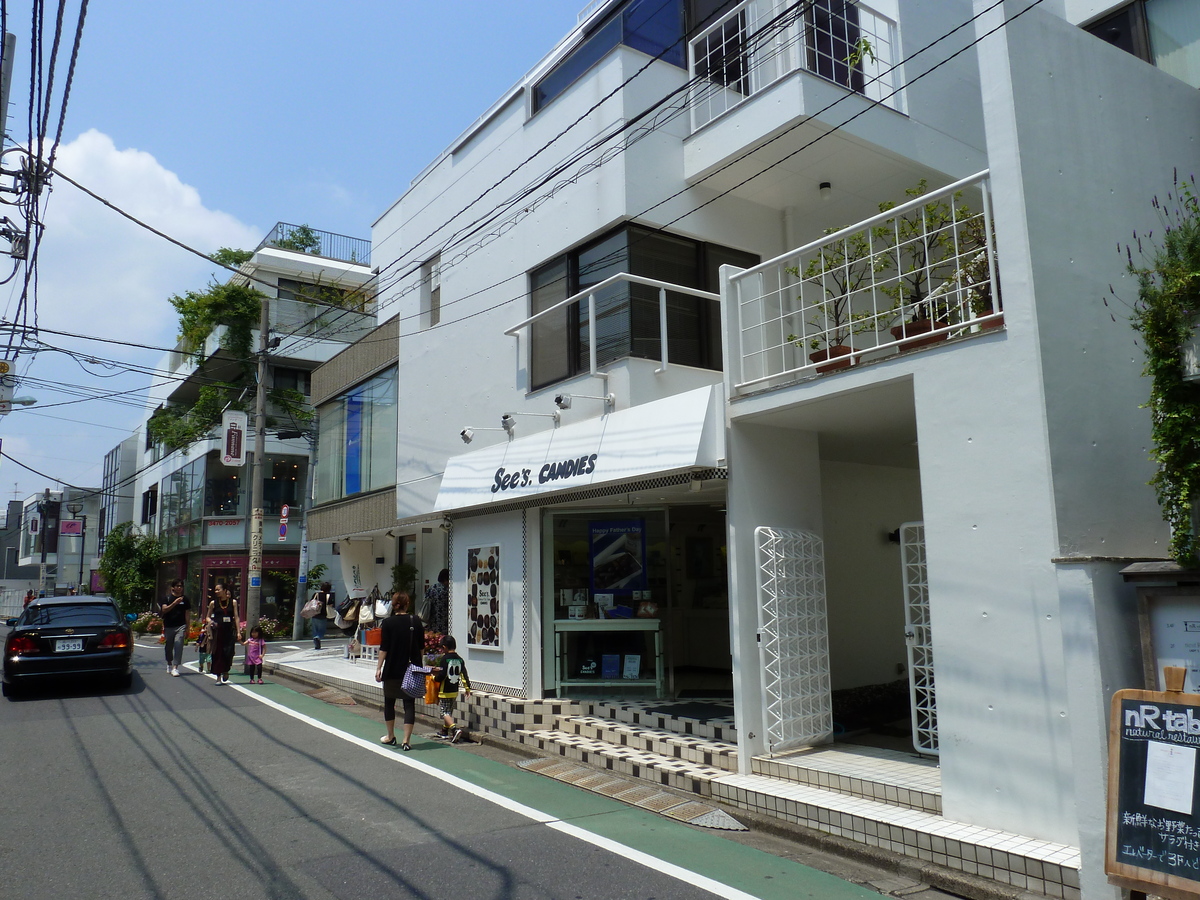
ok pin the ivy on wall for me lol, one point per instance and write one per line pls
(1165, 315)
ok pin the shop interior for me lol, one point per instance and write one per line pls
(638, 598)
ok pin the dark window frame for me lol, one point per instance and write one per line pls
(637, 305)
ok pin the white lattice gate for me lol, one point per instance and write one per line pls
(918, 636)
(794, 638)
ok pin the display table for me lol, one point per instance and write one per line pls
(572, 637)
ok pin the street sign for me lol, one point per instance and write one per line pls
(282, 531)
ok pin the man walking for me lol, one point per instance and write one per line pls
(175, 613)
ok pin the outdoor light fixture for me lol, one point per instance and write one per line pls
(508, 421)
(467, 435)
(826, 190)
(563, 401)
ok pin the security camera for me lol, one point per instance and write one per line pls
(444, 525)
(467, 435)
(562, 401)
(508, 423)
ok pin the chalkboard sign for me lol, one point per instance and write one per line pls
(1153, 840)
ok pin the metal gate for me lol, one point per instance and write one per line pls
(918, 636)
(793, 638)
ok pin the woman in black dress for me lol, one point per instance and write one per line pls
(224, 619)
(402, 642)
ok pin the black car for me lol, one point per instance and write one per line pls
(68, 637)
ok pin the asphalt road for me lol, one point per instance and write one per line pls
(179, 788)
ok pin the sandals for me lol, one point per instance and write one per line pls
(388, 742)
(405, 746)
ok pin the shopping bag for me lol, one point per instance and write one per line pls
(312, 607)
(414, 681)
(431, 689)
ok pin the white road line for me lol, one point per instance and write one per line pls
(632, 853)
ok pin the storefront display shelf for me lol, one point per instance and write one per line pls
(599, 629)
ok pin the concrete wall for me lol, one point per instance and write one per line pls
(774, 480)
(860, 505)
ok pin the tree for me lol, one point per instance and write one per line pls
(236, 308)
(302, 239)
(227, 256)
(129, 565)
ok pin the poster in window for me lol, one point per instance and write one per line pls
(618, 550)
(483, 596)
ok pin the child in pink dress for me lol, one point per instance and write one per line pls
(255, 648)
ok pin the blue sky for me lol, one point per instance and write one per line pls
(212, 121)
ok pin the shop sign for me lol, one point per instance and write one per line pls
(676, 433)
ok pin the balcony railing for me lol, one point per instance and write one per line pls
(761, 41)
(302, 239)
(912, 276)
(588, 306)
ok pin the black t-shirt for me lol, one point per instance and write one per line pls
(173, 618)
(403, 639)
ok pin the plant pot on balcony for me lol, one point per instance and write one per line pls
(916, 334)
(832, 358)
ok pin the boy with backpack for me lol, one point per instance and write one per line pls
(450, 674)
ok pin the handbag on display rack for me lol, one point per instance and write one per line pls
(383, 606)
(366, 613)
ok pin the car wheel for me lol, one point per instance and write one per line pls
(125, 682)
(8, 690)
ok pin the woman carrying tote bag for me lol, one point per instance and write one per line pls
(401, 643)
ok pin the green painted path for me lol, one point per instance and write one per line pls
(589, 816)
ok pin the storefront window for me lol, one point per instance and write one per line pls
(357, 450)
(283, 482)
(222, 494)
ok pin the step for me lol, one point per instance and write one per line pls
(1034, 865)
(703, 751)
(655, 768)
(711, 719)
(873, 773)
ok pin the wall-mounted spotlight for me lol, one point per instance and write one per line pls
(467, 435)
(826, 190)
(444, 525)
(508, 421)
(563, 401)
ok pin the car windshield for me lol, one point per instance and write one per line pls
(89, 614)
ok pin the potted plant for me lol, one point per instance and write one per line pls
(827, 290)
(927, 243)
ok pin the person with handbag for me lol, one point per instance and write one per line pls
(320, 618)
(402, 641)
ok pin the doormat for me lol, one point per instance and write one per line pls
(695, 709)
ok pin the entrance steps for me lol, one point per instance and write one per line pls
(875, 796)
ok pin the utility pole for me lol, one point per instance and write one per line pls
(254, 575)
(302, 571)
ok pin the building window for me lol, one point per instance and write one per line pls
(357, 444)
(832, 41)
(431, 292)
(149, 505)
(292, 379)
(627, 316)
(655, 27)
(1165, 33)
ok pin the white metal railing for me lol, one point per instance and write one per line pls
(761, 41)
(914, 274)
(589, 294)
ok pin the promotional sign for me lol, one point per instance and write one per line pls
(71, 528)
(618, 551)
(233, 431)
(303, 576)
(483, 596)
(1153, 840)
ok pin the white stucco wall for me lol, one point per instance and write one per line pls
(506, 665)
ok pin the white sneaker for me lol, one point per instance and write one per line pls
(175, 671)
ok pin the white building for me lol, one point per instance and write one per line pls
(319, 300)
(907, 456)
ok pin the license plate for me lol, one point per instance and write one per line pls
(68, 645)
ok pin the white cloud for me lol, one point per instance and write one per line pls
(93, 261)
(100, 274)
